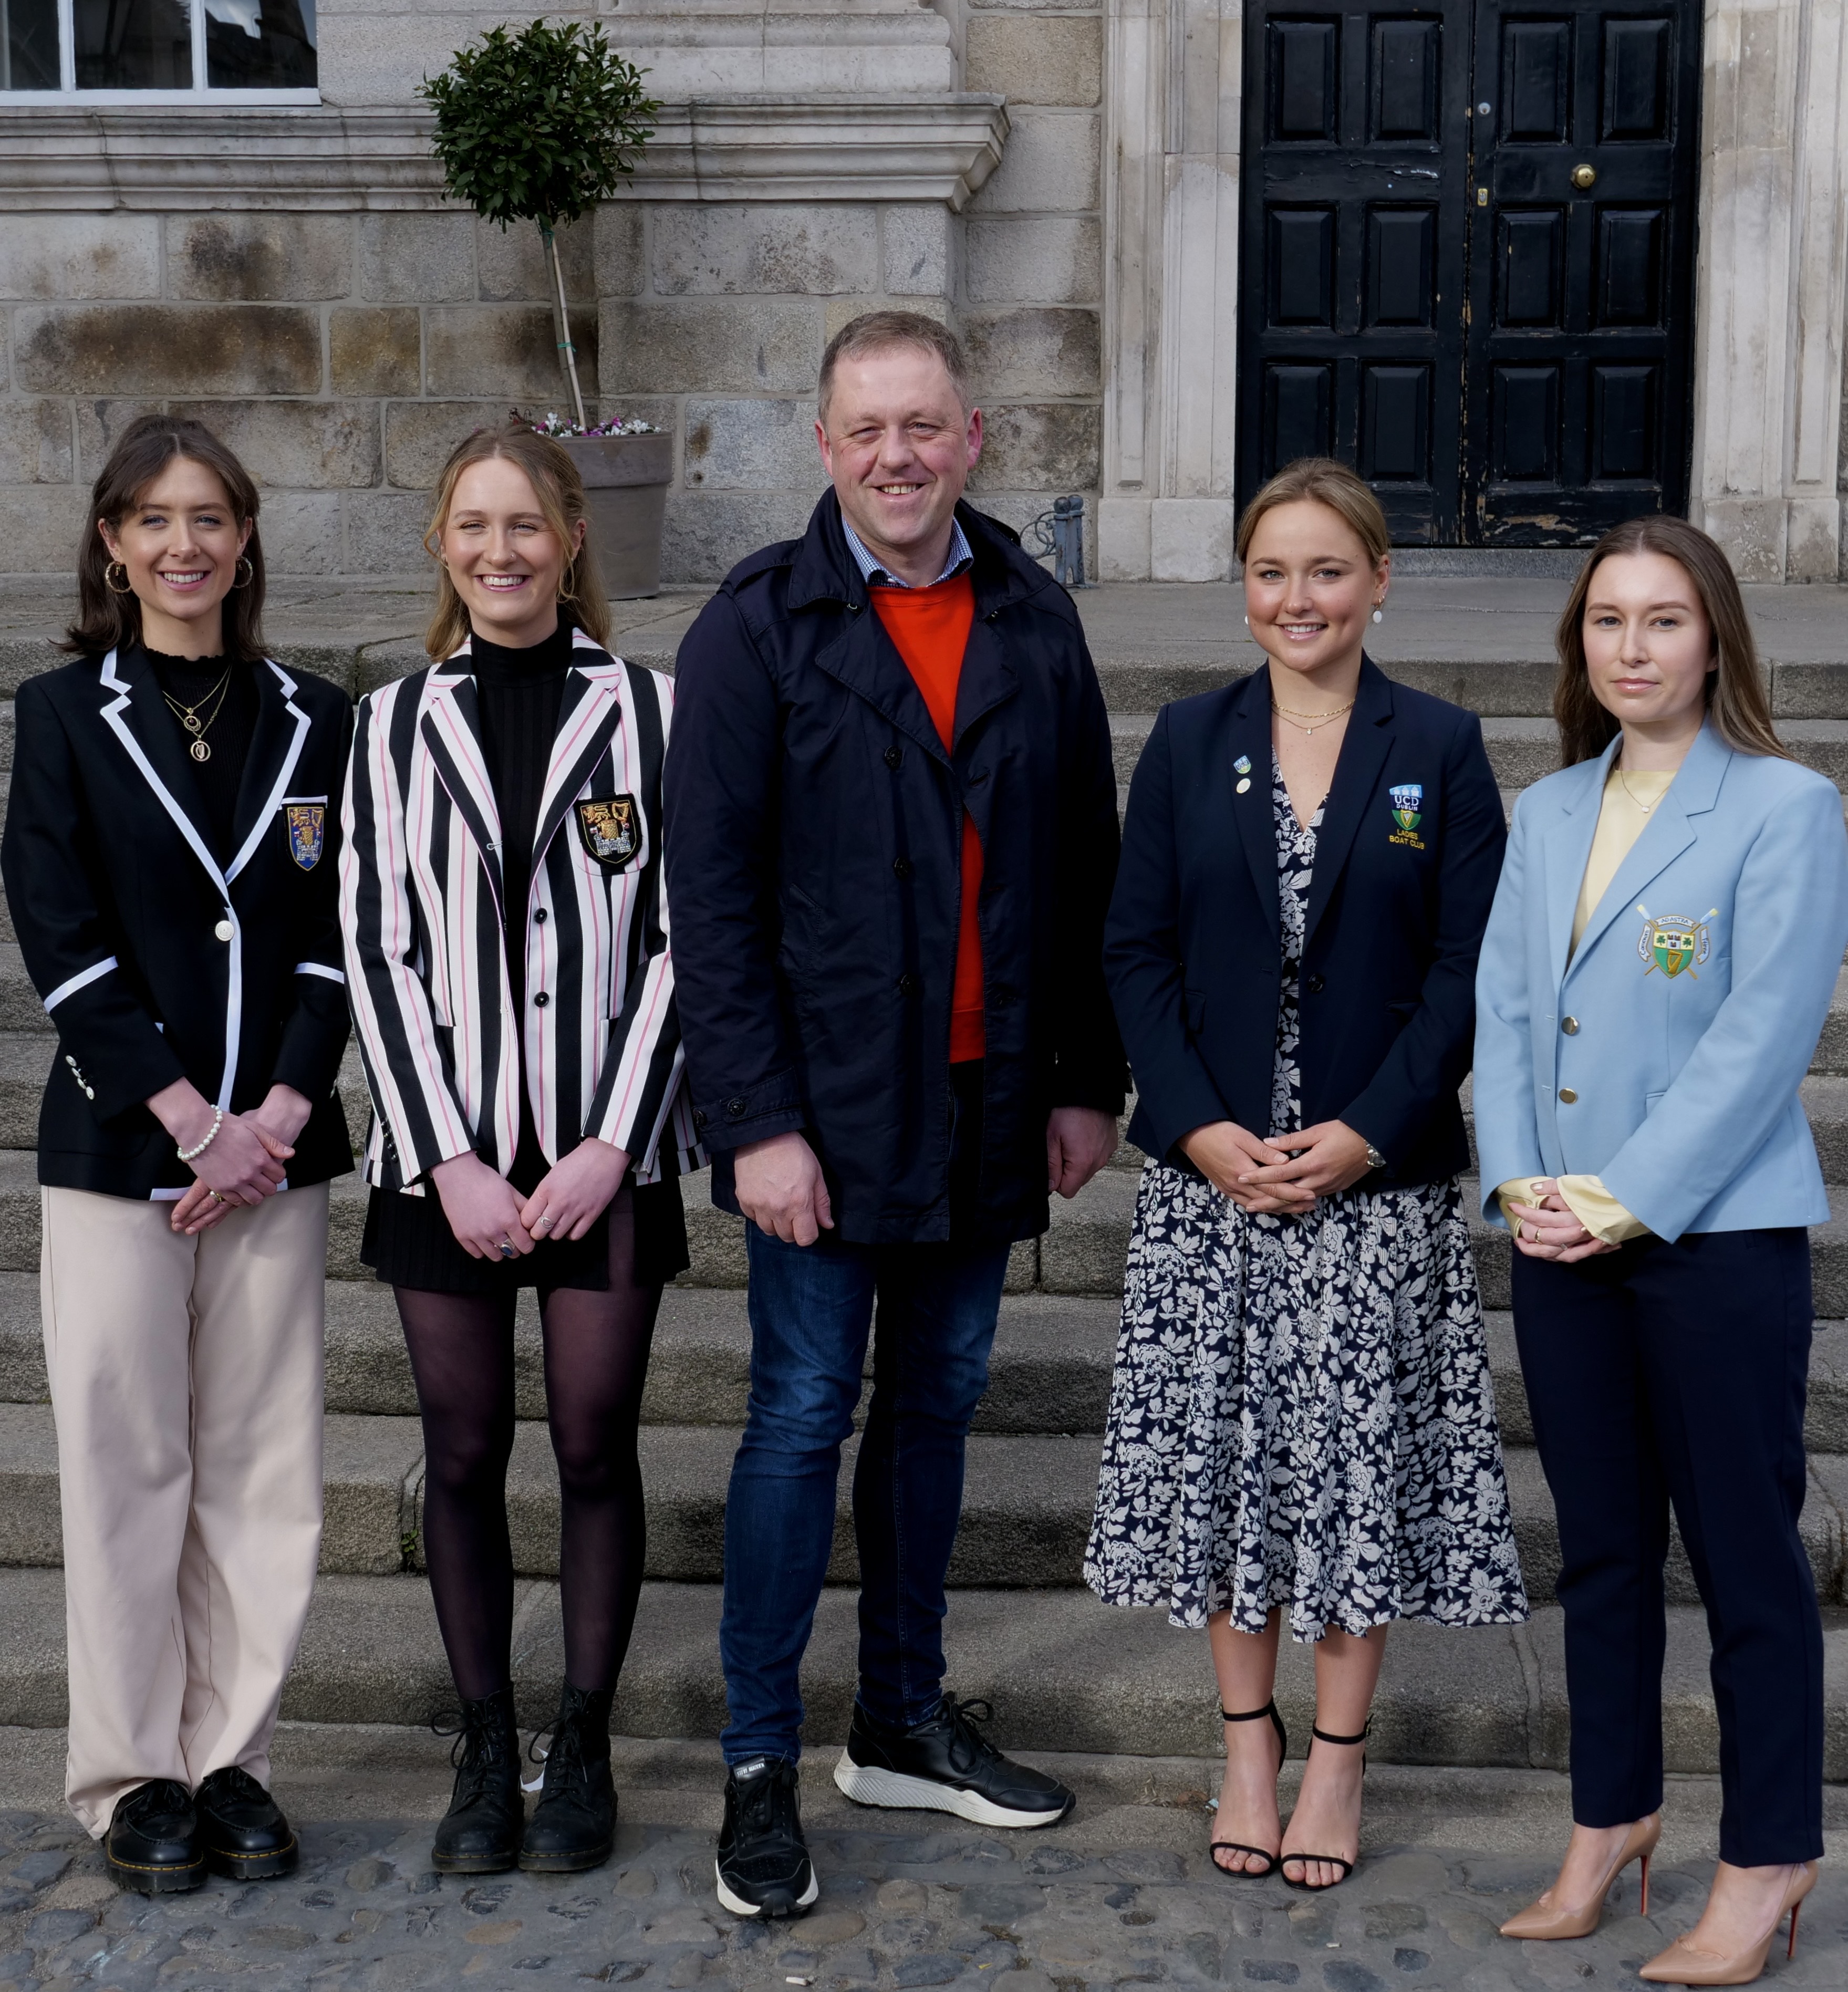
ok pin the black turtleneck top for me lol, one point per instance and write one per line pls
(229, 727)
(520, 693)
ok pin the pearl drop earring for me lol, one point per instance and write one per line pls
(1247, 621)
(1379, 613)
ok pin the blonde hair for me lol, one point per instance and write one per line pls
(560, 490)
(1321, 481)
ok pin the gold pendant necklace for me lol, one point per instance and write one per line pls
(1320, 718)
(1646, 808)
(187, 715)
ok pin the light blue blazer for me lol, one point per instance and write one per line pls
(1665, 1057)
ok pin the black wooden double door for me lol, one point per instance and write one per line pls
(1466, 259)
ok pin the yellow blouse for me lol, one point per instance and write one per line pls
(1629, 800)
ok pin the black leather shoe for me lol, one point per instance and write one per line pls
(574, 1825)
(152, 1844)
(763, 1862)
(241, 1828)
(945, 1764)
(480, 1834)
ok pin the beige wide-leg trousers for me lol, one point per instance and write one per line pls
(186, 1381)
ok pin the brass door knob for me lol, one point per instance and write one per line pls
(1584, 177)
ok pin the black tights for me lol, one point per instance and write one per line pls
(596, 1360)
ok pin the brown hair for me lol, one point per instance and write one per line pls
(1736, 696)
(1321, 481)
(107, 620)
(879, 332)
(560, 490)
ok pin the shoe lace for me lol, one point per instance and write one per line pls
(968, 1746)
(234, 1782)
(765, 1804)
(477, 1751)
(563, 1757)
(158, 1795)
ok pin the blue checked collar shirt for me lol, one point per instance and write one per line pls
(959, 556)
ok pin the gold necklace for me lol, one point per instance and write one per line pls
(187, 715)
(1646, 808)
(1321, 718)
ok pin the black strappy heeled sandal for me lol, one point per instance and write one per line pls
(1332, 1860)
(1236, 1846)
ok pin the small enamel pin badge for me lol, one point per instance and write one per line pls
(1674, 943)
(306, 832)
(1242, 768)
(609, 827)
(1408, 812)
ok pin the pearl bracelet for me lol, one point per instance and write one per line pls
(200, 1148)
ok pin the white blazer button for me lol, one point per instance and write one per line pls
(1568, 1096)
(224, 930)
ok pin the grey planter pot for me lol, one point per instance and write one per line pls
(625, 481)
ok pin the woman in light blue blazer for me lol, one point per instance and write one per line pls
(1667, 933)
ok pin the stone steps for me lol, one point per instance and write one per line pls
(1063, 1671)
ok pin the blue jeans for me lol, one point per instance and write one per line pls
(811, 1309)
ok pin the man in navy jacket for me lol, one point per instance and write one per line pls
(898, 1041)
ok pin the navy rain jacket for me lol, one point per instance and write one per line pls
(813, 840)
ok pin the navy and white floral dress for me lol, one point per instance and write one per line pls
(1301, 1415)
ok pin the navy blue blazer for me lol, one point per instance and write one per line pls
(1400, 897)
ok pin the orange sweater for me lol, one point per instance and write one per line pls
(929, 628)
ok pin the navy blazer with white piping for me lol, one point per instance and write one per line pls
(155, 961)
(421, 912)
(1680, 1089)
(1193, 950)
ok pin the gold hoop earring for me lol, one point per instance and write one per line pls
(113, 568)
(249, 567)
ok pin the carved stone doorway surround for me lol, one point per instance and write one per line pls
(1770, 287)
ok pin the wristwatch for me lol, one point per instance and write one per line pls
(1374, 1159)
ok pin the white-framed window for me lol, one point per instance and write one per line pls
(148, 52)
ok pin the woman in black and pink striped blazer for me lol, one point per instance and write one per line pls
(507, 959)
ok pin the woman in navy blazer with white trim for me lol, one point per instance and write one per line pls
(1657, 970)
(1301, 1422)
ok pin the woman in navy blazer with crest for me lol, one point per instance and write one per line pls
(1301, 1421)
(1657, 970)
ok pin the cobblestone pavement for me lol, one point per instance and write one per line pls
(918, 1904)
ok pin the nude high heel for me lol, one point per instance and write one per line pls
(1686, 1963)
(1542, 1921)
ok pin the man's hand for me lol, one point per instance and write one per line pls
(780, 1188)
(1548, 1229)
(1080, 1140)
(482, 1208)
(1227, 1155)
(575, 1191)
(1325, 1158)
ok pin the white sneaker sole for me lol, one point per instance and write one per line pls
(739, 1907)
(867, 1786)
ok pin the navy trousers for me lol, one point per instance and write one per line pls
(1665, 1375)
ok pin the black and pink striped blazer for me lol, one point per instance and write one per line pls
(420, 914)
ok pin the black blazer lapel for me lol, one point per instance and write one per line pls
(1357, 771)
(450, 727)
(136, 713)
(1248, 739)
(281, 731)
(589, 714)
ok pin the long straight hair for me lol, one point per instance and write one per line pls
(560, 490)
(1736, 696)
(107, 620)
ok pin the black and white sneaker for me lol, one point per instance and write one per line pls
(763, 1864)
(945, 1764)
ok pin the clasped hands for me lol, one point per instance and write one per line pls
(1283, 1173)
(246, 1160)
(1548, 1229)
(485, 1212)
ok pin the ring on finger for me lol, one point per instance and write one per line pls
(544, 1219)
(506, 1248)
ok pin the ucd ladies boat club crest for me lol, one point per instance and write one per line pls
(1674, 942)
(1408, 805)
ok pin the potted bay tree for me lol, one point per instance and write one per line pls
(537, 125)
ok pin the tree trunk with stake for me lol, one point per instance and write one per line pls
(564, 324)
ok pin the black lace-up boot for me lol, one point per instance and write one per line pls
(574, 1826)
(480, 1833)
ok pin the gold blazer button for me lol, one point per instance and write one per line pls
(1568, 1096)
(1569, 1026)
